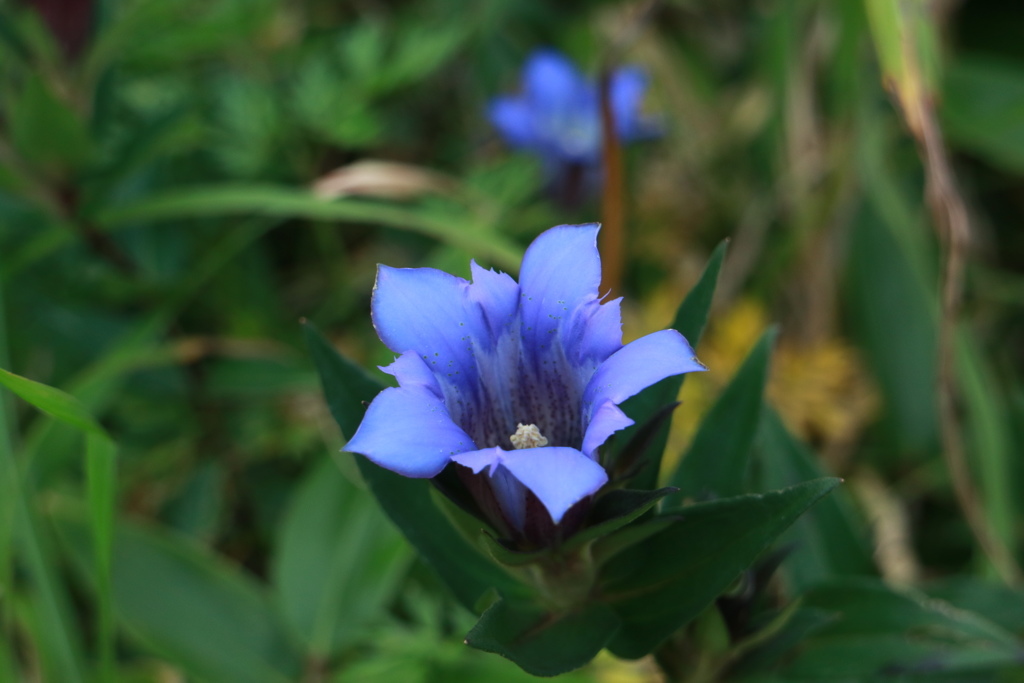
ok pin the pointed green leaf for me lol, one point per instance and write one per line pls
(608, 547)
(544, 644)
(407, 502)
(44, 128)
(692, 316)
(690, 320)
(611, 512)
(777, 639)
(347, 387)
(466, 571)
(337, 563)
(885, 292)
(881, 631)
(616, 509)
(981, 106)
(829, 541)
(51, 401)
(993, 600)
(717, 462)
(664, 582)
(101, 485)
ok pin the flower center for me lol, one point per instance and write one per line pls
(527, 436)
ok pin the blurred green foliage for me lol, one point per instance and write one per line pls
(181, 181)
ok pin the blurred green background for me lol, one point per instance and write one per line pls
(181, 181)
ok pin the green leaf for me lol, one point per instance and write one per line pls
(347, 387)
(611, 512)
(881, 631)
(101, 486)
(886, 292)
(692, 315)
(544, 644)
(995, 601)
(690, 320)
(797, 624)
(831, 540)
(288, 202)
(53, 402)
(46, 130)
(717, 462)
(664, 582)
(990, 442)
(608, 547)
(465, 570)
(337, 562)
(190, 606)
(983, 110)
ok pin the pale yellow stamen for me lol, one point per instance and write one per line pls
(528, 436)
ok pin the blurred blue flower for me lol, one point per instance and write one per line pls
(520, 381)
(557, 114)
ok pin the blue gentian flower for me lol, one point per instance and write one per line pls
(558, 112)
(520, 383)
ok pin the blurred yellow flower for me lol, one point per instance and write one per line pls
(610, 669)
(821, 390)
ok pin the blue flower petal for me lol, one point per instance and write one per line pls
(497, 294)
(409, 431)
(428, 311)
(627, 92)
(601, 333)
(561, 271)
(550, 81)
(479, 460)
(606, 420)
(412, 372)
(511, 495)
(559, 477)
(638, 365)
(514, 120)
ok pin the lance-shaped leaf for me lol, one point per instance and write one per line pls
(101, 488)
(467, 572)
(544, 644)
(612, 512)
(662, 583)
(882, 632)
(829, 541)
(347, 387)
(690, 320)
(717, 462)
(337, 562)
